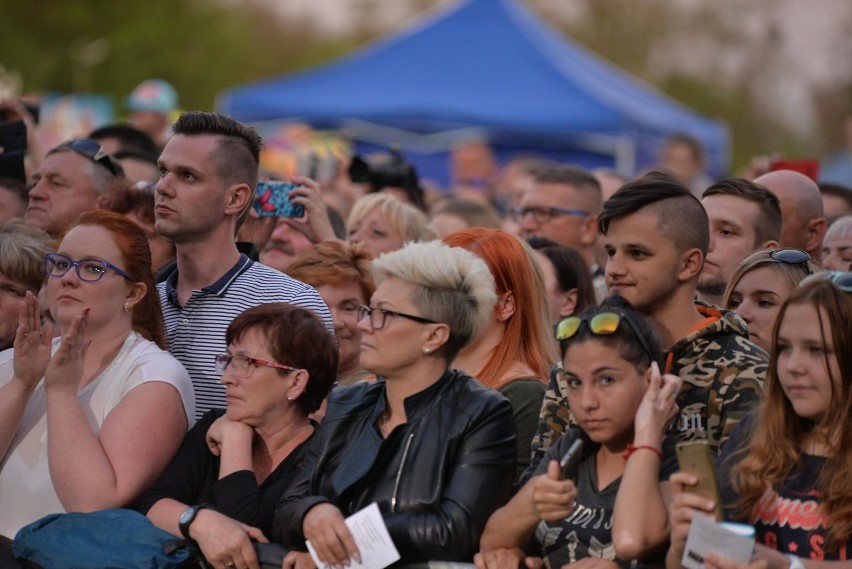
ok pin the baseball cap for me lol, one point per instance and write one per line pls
(153, 95)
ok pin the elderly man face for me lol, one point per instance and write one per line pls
(65, 185)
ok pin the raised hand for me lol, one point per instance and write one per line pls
(315, 225)
(553, 497)
(65, 369)
(658, 407)
(32, 343)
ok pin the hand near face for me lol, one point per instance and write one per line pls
(658, 406)
(65, 369)
(324, 527)
(32, 344)
(224, 432)
(315, 225)
(553, 498)
(256, 229)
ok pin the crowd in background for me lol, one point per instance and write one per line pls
(243, 379)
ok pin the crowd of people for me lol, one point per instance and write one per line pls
(244, 379)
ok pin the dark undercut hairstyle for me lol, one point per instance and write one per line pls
(767, 224)
(238, 156)
(681, 216)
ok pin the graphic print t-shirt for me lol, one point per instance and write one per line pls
(790, 520)
(587, 531)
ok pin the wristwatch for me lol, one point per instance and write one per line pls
(795, 562)
(188, 516)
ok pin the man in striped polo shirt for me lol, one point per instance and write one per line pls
(208, 174)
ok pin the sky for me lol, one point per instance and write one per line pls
(809, 36)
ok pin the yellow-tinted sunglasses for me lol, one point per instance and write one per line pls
(601, 324)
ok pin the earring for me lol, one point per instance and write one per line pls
(426, 350)
(127, 307)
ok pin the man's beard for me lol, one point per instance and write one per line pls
(712, 286)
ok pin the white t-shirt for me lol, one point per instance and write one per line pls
(26, 490)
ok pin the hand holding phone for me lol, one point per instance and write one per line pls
(273, 200)
(694, 457)
(569, 464)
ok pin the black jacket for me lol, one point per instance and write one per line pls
(436, 478)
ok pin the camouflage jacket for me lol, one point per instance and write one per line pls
(722, 371)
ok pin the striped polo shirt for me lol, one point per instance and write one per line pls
(196, 331)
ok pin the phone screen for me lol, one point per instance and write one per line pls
(273, 200)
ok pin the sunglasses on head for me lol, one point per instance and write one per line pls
(601, 324)
(840, 279)
(791, 257)
(93, 151)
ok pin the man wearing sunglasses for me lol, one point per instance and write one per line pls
(744, 218)
(68, 182)
(657, 237)
(208, 176)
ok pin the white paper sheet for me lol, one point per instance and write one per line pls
(706, 536)
(372, 538)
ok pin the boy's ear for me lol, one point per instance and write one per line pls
(691, 262)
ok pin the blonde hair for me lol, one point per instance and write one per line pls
(454, 287)
(840, 229)
(794, 272)
(409, 221)
(22, 250)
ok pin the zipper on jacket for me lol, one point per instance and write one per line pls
(399, 472)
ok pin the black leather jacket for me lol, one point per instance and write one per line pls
(436, 478)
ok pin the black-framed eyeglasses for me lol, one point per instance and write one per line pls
(601, 324)
(94, 152)
(243, 366)
(841, 279)
(378, 316)
(89, 270)
(544, 214)
(792, 257)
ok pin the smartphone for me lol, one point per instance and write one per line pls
(273, 200)
(570, 461)
(13, 141)
(695, 457)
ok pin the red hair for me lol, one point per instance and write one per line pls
(136, 259)
(525, 339)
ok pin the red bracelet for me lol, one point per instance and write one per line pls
(631, 449)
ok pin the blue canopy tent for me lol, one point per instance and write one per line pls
(485, 69)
